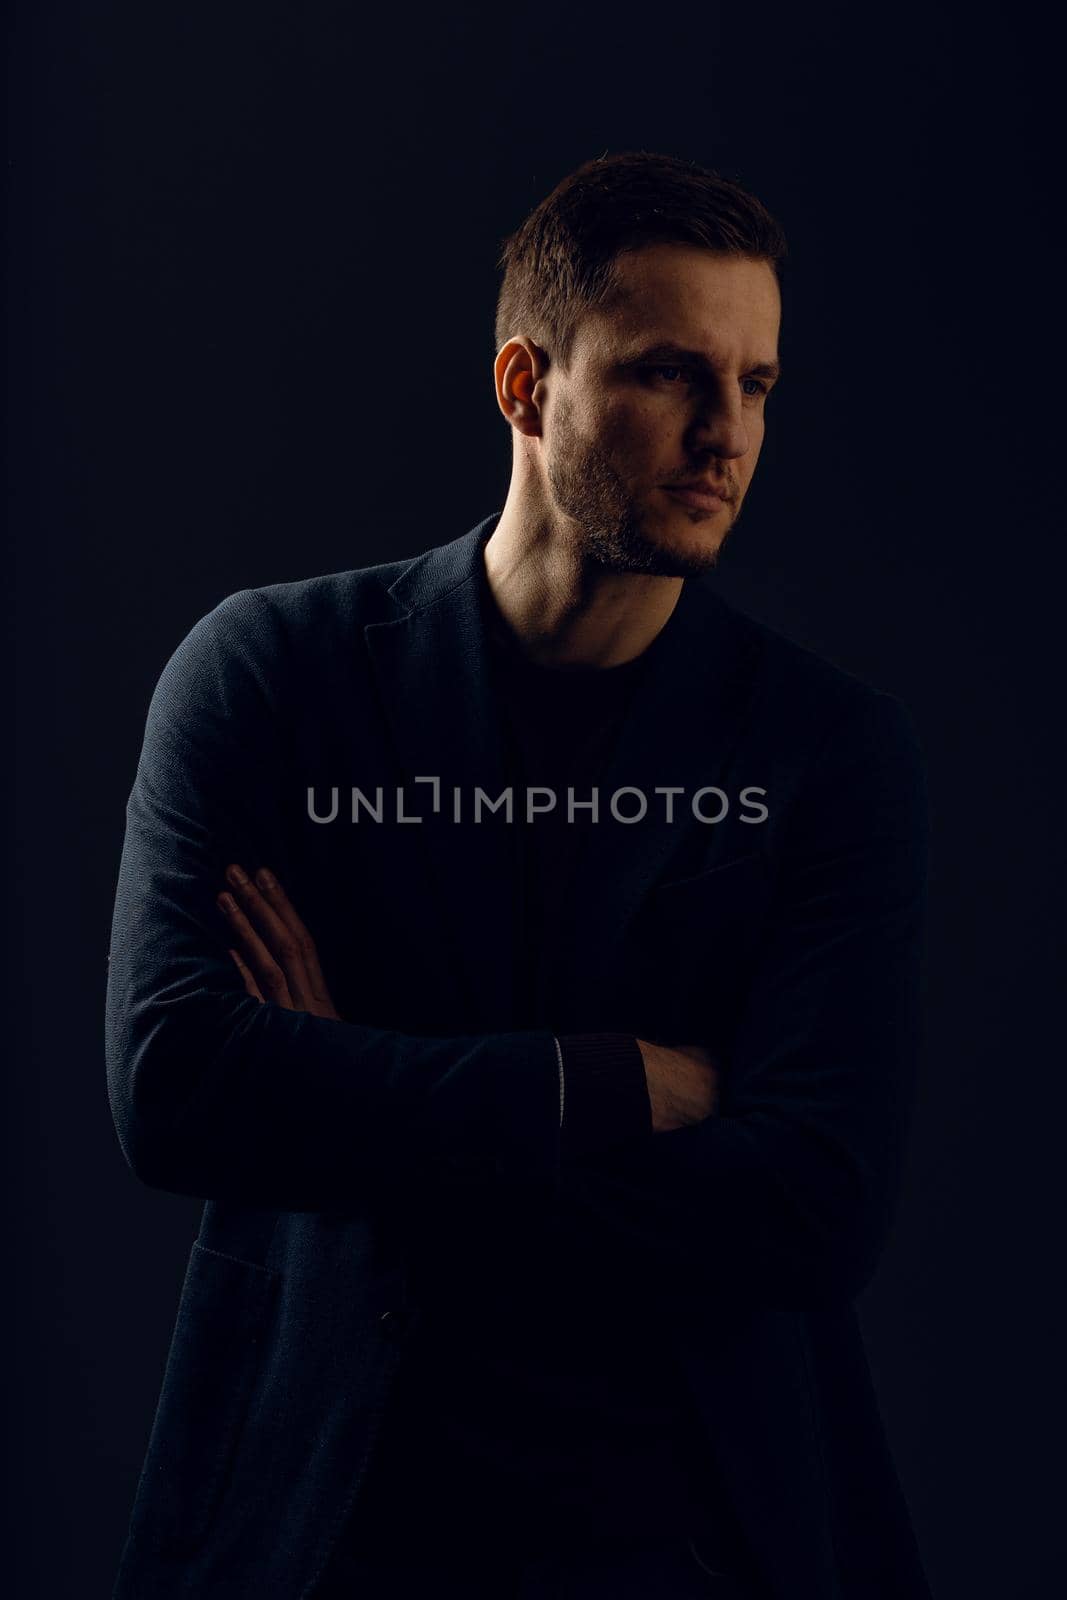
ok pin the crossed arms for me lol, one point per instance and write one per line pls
(786, 1195)
(280, 956)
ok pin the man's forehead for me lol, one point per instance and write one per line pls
(669, 266)
(696, 280)
(691, 298)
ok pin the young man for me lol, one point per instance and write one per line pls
(519, 950)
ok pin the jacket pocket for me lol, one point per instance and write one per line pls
(211, 1368)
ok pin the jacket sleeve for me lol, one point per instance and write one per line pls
(603, 1092)
(787, 1195)
(216, 1095)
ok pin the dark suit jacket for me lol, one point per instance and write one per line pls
(791, 947)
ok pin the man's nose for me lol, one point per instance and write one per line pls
(721, 427)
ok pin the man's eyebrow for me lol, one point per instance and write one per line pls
(696, 358)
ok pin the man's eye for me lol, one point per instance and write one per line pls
(761, 388)
(663, 369)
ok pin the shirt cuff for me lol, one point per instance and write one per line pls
(606, 1091)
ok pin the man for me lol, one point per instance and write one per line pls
(544, 1150)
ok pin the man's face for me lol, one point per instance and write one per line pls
(667, 383)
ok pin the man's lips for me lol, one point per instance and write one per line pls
(705, 496)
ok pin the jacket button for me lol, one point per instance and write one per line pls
(391, 1321)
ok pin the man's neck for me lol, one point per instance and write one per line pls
(559, 610)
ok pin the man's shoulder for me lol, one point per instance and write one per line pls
(797, 674)
(315, 611)
(356, 592)
(802, 701)
(381, 591)
(812, 727)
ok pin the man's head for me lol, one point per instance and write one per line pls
(637, 339)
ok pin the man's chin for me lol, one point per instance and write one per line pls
(661, 542)
(688, 542)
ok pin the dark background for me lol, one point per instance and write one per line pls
(252, 289)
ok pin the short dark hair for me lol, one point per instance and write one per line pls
(561, 261)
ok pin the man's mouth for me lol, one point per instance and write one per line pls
(701, 498)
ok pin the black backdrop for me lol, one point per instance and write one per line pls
(252, 290)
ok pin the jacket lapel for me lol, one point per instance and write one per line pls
(432, 669)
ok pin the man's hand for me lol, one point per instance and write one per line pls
(683, 1084)
(277, 957)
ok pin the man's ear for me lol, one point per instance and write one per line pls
(519, 366)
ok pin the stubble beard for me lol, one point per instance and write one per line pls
(588, 489)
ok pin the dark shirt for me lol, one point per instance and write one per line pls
(539, 1390)
(558, 727)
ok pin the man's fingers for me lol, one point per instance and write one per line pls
(272, 981)
(280, 902)
(251, 986)
(270, 932)
(282, 943)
